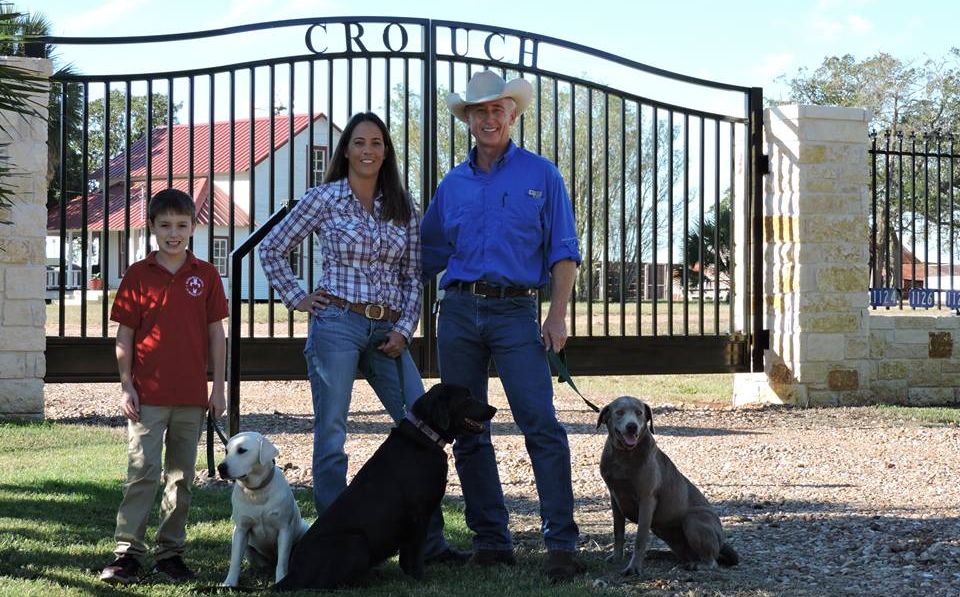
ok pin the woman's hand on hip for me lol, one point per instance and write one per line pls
(313, 302)
(394, 345)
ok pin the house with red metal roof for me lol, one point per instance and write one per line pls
(238, 172)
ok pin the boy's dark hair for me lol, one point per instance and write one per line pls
(172, 201)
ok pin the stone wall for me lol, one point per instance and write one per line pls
(23, 257)
(826, 346)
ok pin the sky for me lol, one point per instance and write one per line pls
(747, 43)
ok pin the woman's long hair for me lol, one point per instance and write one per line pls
(396, 204)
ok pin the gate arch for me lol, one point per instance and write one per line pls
(664, 171)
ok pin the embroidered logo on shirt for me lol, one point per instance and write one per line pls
(194, 286)
(535, 193)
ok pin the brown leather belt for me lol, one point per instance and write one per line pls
(374, 311)
(481, 288)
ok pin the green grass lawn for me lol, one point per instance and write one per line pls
(60, 486)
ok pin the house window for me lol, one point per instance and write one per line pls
(220, 254)
(318, 164)
(296, 261)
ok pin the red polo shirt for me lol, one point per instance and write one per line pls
(169, 314)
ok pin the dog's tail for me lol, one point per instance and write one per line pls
(728, 556)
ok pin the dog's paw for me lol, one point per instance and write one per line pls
(701, 565)
(634, 567)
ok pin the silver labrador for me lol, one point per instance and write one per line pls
(646, 488)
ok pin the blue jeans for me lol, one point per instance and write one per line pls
(472, 330)
(339, 342)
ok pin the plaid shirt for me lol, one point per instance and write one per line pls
(365, 259)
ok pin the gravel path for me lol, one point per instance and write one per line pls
(841, 501)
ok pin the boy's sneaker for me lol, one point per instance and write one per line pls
(175, 569)
(122, 571)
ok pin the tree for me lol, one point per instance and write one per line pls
(903, 96)
(117, 123)
(701, 246)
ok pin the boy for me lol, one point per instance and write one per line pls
(169, 307)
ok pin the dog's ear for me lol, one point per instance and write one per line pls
(604, 416)
(649, 412)
(268, 451)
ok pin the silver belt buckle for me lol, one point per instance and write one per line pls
(380, 316)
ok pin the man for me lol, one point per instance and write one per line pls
(501, 224)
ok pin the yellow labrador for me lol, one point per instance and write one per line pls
(646, 488)
(266, 518)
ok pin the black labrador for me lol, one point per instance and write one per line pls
(388, 504)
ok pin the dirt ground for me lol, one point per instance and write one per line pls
(840, 501)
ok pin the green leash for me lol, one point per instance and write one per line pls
(558, 361)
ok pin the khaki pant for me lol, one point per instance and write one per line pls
(178, 429)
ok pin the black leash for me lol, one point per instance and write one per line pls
(558, 361)
(212, 426)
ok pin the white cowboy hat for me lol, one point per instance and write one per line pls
(487, 86)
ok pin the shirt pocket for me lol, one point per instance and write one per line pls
(346, 240)
(521, 215)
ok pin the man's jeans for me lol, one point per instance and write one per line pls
(338, 342)
(473, 329)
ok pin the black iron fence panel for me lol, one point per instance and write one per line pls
(663, 170)
(914, 259)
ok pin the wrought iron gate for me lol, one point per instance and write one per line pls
(664, 171)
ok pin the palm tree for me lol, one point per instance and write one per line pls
(17, 86)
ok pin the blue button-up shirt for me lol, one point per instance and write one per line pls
(506, 227)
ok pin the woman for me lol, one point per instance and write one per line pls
(368, 297)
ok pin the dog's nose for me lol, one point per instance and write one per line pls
(631, 428)
(222, 470)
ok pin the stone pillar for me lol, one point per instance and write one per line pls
(23, 142)
(816, 255)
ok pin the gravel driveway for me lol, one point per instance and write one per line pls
(840, 501)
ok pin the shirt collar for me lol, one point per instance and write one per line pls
(191, 261)
(507, 154)
(344, 192)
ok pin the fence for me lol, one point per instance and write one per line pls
(913, 240)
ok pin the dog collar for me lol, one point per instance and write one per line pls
(273, 471)
(425, 429)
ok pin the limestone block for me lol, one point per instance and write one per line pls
(22, 251)
(834, 229)
(31, 219)
(834, 131)
(931, 396)
(856, 347)
(941, 345)
(781, 228)
(916, 322)
(24, 313)
(880, 321)
(824, 347)
(849, 278)
(21, 398)
(843, 379)
(907, 351)
(893, 391)
(894, 368)
(818, 397)
(816, 184)
(12, 365)
(26, 282)
(925, 372)
(753, 388)
(911, 335)
(829, 322)
(39, 365)
(22, 338)
(812, 153)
